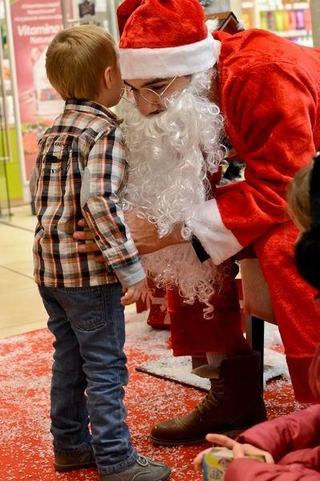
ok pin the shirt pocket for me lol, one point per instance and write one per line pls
(58, 160)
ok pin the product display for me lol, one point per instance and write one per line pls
(289, 19)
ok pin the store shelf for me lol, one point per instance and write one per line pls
(285, 6)
(293, 33)
(291, 20)
(246, 5)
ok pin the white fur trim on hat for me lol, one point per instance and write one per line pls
(147, 63)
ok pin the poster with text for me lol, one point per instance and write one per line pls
(34, 24)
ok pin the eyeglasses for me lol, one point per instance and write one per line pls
(133, 95)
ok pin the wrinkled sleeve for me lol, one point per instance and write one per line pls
(270, 114)
(285, 434)
(250, 470)
(308, 457)
(102, 181)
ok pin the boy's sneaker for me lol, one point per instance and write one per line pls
(144, 469)
(74, 460)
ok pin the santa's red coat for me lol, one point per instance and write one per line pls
(269, 90)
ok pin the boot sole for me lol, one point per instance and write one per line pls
(232, 433)
(167, 476)
(73, 467)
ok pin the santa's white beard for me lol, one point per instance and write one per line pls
(169, 157)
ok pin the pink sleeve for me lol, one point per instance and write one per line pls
(308, 457)
(287, 433)
(250, 470)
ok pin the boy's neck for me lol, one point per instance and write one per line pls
(103, 100)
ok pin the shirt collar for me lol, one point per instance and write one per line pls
(90, 107)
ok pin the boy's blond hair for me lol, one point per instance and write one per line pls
(299, 198)
(76, 60)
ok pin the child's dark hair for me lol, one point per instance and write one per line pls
(304, 205)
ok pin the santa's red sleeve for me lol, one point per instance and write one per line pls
(286, 434)
(270, 111)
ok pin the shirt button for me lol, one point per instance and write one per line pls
(97, 238)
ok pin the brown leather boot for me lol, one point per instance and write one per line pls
(198, 361)
(234, 403)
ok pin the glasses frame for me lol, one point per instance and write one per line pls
(137, 92)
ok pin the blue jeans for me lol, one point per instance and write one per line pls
(89, 372)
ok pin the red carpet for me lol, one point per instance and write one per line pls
(25, 452)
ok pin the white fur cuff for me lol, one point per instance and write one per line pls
(218, 241)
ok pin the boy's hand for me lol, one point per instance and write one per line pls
(239, 450)
(133, 293)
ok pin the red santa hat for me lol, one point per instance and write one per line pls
(164, 38)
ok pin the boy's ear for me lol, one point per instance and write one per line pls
(108, 77)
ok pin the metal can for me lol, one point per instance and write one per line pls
(216, 461)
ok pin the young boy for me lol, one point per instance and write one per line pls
(81, 172)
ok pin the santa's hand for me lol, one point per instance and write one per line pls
(146, 237)
(90, 247)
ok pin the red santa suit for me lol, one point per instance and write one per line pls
(154, 24)
(269, 91)
(192, 333)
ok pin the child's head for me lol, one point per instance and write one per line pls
(82, 63)
(299, 199)
(304, 207)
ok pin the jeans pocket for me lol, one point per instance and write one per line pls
(84, 308)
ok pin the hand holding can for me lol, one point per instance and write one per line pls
(216, 461)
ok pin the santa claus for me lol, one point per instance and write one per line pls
(170, 156)
(268, 91)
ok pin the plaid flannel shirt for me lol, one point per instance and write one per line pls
(80, 172)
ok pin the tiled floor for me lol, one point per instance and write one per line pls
(21, 308)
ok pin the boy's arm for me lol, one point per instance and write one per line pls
(102, 180)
